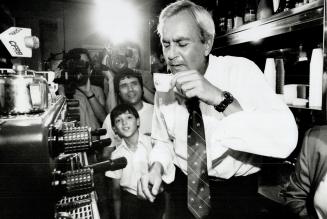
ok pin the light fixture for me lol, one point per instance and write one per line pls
(117, 20)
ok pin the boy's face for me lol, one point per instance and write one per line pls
(126, 125)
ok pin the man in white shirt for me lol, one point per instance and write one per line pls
(243, 119)
(77, 64)
(129, 88)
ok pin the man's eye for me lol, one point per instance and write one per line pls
(122, 86)
(165, 45)
(135, 83)
(182, 44)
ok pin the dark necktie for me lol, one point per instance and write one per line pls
(198, 182)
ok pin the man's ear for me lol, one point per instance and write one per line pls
(208, 46)
(138, 123)
(115, 130)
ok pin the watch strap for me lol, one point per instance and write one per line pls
(228, 99)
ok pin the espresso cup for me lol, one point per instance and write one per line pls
(162, 81)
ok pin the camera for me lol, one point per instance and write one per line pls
(74, 71)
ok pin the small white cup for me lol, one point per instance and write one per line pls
(162, 81)
(290, 93)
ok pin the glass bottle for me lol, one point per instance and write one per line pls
(221, 16)
(238, 13)
(281, 6)
(250, 12)
(265, 9)
(288, 5)
(229, 21)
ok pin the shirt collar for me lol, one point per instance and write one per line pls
(140, 141)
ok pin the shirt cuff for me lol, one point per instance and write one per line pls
(158, 155)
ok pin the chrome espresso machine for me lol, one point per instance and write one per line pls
(44, 170)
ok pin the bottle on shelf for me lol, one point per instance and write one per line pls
(229, 21)
(281, 6)
(250, 11)
(238, 9)
(288, 5)
(265, 9)
(300, 3)
(220, 17)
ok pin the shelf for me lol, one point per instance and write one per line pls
(303, 107)
(306, 16)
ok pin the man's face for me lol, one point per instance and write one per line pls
(126, 125)
(86, 59)
(130, 90)
(181, 44)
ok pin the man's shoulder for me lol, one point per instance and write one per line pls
(120, 150)
(145, 141)
(315, 142)
(147, 105)
(144, 137)
(230, 59)
(318, 132)
(146, 108)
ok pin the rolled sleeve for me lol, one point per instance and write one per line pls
(272, 134)
(162, 151)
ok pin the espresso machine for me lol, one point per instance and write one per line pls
(44, 168)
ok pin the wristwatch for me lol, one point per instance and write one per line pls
(228, 99)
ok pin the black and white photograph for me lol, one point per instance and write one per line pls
(163, 109)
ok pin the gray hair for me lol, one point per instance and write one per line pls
(201, 16)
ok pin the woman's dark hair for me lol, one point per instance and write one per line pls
(121, 109)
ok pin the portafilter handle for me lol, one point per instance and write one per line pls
(112, 165)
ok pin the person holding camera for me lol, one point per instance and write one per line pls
(77, 69)
(75, 77)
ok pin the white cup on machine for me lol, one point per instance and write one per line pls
(290, 93)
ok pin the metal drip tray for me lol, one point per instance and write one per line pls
(76, 207)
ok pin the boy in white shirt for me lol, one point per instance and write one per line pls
(136, 148)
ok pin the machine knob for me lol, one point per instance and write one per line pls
(76, 139)
(74, 182)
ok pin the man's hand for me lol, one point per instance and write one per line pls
(192, 84)
(86, 88)
(149, 185)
